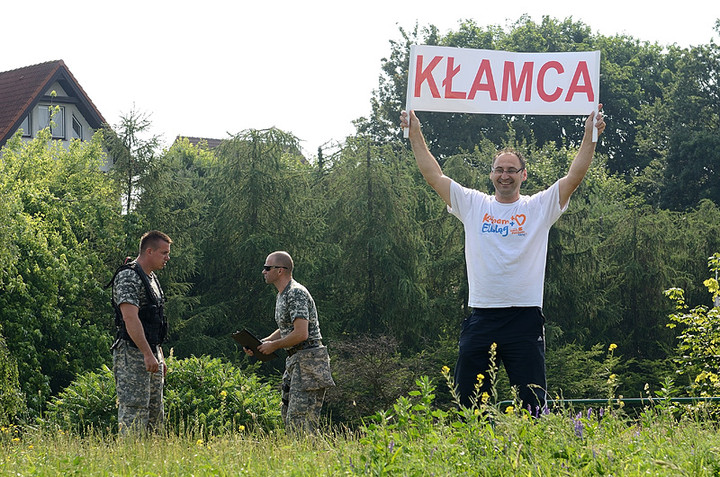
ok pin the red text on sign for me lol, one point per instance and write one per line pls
(512, 87)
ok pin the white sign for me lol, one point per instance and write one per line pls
(500, 82)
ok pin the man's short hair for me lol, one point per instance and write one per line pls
(510, 150)
(152, 238)
(284, 259)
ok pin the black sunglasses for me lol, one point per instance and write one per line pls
(267, 268)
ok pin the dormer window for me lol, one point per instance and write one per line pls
(58, 118)
(25, 126)
(77, 128)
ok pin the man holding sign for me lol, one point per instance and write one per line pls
(506, 237)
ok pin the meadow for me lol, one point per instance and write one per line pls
(413, 438)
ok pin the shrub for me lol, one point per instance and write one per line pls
(202, 395)
(370, 375)
(209, 396)
(58, 225)
(87, 403)
(698, 349)
(12, 403)
(574, 372)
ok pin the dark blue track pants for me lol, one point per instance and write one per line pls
(520, 336)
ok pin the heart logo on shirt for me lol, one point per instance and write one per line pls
(520, 219)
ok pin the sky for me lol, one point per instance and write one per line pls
(218, 67)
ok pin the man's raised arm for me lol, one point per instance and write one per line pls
(426, 162)
(581, 163)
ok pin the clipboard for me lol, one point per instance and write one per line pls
(249, 340)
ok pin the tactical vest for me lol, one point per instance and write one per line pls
(152, 315)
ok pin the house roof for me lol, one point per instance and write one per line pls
(214, 143)
(22, 89)
(211, 143)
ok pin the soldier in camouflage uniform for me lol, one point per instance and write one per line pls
(138, 362)
(307, 367)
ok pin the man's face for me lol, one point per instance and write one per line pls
(507, 176)
(159, 255)
(271, 270)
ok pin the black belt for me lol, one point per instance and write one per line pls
(307, 344)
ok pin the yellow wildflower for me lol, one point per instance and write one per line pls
(509, 410)
(612, 347)
(445, 370)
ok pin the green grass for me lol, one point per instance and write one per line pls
(413, 438)
(513, 445)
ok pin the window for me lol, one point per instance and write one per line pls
(77, 128)
(58, 119)
(26, 125)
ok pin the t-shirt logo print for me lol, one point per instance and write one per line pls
(519, 218)
(504, 227)
(516, 225)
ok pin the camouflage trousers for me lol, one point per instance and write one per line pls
(139, 392)
(305, 381)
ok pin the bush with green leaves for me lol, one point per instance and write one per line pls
(12, 402)
(370, 375)
(88, 403)
(59, 222)
(202, 395)
(698, 350)
(210, 396)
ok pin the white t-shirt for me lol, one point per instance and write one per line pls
(505, 245)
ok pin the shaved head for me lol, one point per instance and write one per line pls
(282, 258)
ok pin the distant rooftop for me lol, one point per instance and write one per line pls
(211, 143)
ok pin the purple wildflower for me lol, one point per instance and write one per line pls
(579, 427)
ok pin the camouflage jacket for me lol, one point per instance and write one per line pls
(296, 302)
